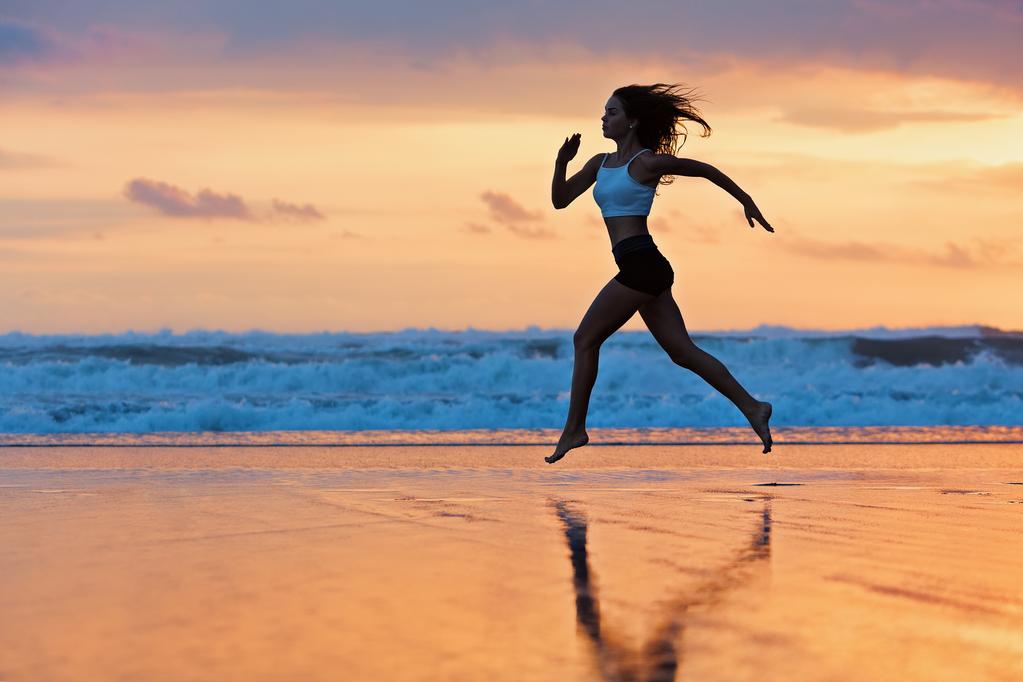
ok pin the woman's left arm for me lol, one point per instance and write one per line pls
(666, 164)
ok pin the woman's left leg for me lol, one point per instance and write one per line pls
(613, 307)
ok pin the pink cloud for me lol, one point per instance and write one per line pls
(174, 201)
(207, 204)
(505, 209)
(288, 211)
(510, 213)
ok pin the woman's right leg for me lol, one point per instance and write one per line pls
(612, 308)
(664, 319)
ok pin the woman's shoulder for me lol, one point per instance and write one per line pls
(596, 161)
(656, 163)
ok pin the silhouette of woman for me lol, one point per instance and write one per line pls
(642, 118)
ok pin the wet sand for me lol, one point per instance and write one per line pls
(817, 562)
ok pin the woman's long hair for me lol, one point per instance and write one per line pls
(660, 109)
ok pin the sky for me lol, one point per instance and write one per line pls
(333, 166)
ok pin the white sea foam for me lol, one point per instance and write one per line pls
(432, 379)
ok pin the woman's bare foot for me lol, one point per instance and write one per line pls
(758, 419)
(568, 441)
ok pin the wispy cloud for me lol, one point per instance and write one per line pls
(957, 39)
(980, 252)
(289, 211)
(10, 159)
(954, 179)
(504, 209)
(971, 177)
(515, 217)
(851, 120)
(176, 202)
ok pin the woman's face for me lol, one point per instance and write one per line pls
(614, 123)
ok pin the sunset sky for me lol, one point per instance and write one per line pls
(316, 165)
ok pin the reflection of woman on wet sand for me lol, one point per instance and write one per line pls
(658, 657)
(642, 119)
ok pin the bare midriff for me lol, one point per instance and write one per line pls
(622, 227)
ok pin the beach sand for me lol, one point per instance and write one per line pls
(816, 562)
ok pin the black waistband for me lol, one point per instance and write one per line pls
(635, 243)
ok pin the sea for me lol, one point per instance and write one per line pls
(431, 386)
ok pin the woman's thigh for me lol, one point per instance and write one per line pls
(664, 320)
(614, 305)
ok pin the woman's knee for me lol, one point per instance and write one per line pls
(583, 340)
(684, 356)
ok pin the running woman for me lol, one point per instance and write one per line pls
(642, 120)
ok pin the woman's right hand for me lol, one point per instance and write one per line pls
(569, 149)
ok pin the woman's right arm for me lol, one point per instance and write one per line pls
(559, 185)
(564, 192)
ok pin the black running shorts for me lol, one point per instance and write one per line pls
(641, 265)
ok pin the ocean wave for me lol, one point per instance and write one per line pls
(473, 379)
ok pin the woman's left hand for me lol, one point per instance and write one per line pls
(753, 213)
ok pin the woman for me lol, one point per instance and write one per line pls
(642, 121)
